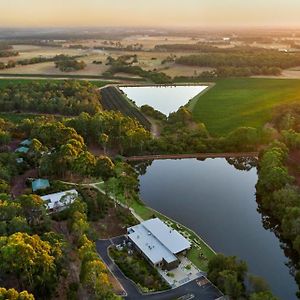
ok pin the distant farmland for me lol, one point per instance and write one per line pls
(243, 102)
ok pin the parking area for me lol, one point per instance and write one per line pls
(184, 291)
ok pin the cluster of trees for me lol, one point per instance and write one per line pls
(278, 197)
(59, 150)
(180, 134)
(28, 250)
(112, 129)
(66, 97)
(93, 272)
(230, 275)
(6, 50)
(123, 64)
(69, 64)
(25, 214)
(287, 121)
(156, 77)
(153, 113)
(5, 132)
(258, 58)
(31, 61)
(111, 45)
(244, 63)
(12, 294)
(8, 169)
(8, 53)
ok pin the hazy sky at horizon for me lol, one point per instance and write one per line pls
(149, 13)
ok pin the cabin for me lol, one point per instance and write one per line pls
(40, 184)
(26, 143)
(22, 150)
(59, 201)
(160, 244)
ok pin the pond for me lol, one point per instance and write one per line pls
(166, 99)
(218, 202)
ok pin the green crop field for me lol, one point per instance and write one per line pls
(232, 103)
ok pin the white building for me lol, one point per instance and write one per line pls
(159, 243)
(60, 201)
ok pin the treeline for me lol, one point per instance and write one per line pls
(278, 194)
(6, 53)
(180, 134)
(36, 60)
(69, 64)
(279, 198)
(112, 130)
(29, 250)
(244, 63)
(37, 257)
(198, 47)
(6, 50)
(93, 272)
(230, 275)
(65, 97)
(123, 64)
(156, 77)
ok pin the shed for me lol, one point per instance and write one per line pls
(40, 184)
(61, 200)
(26, 143)
(22, 150)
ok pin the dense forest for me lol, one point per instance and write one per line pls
(244, 62)
(65, 97)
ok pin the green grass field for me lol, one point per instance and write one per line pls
(232, 103)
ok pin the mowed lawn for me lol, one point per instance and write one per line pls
(232, 103)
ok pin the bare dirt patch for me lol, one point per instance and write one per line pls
(109, 226)
(19, 182)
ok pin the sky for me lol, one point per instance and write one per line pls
(149, 13)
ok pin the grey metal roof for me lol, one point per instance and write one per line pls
(53, 200)
(158, 241)
(170, 237)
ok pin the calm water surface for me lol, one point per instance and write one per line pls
(166, 99)
(218, 202)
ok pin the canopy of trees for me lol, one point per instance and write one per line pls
(243, 63)
(230, 275)
(65, 97)
(68, 64)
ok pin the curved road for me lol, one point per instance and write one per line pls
(207, 292)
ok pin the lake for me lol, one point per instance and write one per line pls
(166, 99)
(218, 202)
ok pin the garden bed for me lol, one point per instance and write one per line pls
(136, 268)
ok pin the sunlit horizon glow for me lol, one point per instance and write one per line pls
(188, 13)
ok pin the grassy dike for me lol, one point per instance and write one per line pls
(144, 212)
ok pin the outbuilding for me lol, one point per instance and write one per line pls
(59, 201)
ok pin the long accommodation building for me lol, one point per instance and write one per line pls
(160, 244)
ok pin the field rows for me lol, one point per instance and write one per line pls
(112, 99)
